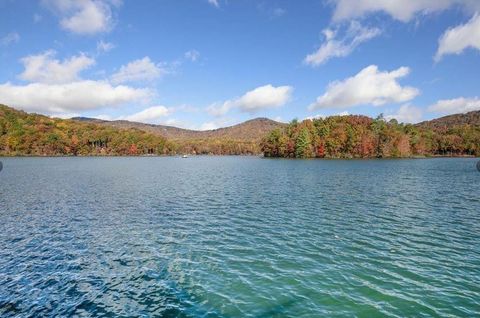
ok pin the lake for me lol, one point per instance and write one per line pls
(239, 237)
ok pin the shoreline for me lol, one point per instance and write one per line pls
(239, 155)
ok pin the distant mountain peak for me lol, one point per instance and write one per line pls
(251, 130)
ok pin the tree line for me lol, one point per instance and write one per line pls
(333, 137)
(363, 137)
(32, 134)
(23, 134)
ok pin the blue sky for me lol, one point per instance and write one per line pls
(204, 64)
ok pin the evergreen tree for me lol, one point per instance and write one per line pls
(303, 144)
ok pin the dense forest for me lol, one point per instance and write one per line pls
(32, 134)
(241, 139)
(23, 134)
(333, 137)
(364, 137)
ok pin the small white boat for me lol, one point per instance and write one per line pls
(184, 156)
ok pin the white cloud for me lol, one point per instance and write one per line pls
(192, 55)
(176, 123)
(139, 70)
(70, 97)
(103, 117)
(214, 3)
(456, 105)
(344, 113)
(65, 115)
(260, 98)
(152, 115)
(209, 126)
(44, 68)
(318, 116)
(215, 124)
(104, 47)
(402, 10)
(369, 86)
(264, 97)
(157, 115)
(322, 116)
(10, 38)
(333, 47)
(406, 114)
(220, 109)
(56, 88)
(148, 115)
(456, 40)
(84, 16)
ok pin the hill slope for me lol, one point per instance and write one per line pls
(363, 137)
(33, 134)
(251, 130)
(244, 138)
(338, 136)
(471, 118)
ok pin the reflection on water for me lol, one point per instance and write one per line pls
(236, 237)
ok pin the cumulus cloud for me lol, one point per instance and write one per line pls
(148, 115)
(215, 124)
(84, 16)
(456, 105)
(333, 46)
(402, 10)
(44, 68)
(406, 114)
(10, 38)
(139, 70)
(456, 40)
(102, 117)
(260, 98)
(65, 115)
(70, 97)
(209, 126)
(56, 88)
(369, 86)
(322, 116)
(176, 123)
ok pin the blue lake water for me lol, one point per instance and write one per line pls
(239, 237)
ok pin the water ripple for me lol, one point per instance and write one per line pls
(239, 237)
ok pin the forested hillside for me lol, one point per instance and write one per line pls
(364, 137)
(241, 139)
(332, 137)
(442, 123)
(254, 129)
(32, 134)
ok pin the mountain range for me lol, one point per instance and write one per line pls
(256, 129)
(22, 133)
(250, 130)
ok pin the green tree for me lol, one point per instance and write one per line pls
(378, 128)
(303, 144)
